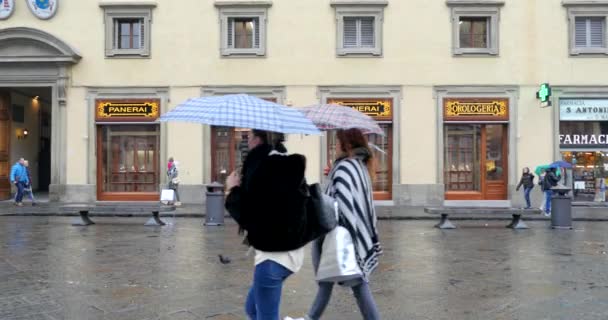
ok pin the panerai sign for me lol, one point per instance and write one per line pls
(127, 109)
(583, 139)
(583, 109)
(376, 108)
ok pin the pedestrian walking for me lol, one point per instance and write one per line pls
(28, 188)
(527, 181)
(19, 178)
(267, 202)
(550, 180)
(350, 184)
(173, 180)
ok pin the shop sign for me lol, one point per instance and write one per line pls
(374, 108)
(144, 110)
(476, 109)
(583, 109)
(6, 8)
(566, 140)
(43, 9)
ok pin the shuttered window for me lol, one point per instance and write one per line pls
(127, 29)
(243, 33)
(359, 32)
(590, 32)
(243, 30)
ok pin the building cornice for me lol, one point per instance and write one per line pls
(243, 3)
(139, 4)
(494, 3)
(380, 3)
(573, 3)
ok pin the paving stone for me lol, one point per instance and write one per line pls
(121, 270)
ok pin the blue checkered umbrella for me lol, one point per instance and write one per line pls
(242, 111)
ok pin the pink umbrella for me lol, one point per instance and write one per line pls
(334, 117)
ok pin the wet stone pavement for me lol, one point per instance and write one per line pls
(120, 269)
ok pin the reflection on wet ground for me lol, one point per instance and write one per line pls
(120, 269)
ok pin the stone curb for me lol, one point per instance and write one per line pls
(430, 217)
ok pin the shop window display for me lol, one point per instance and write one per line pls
(589, 173)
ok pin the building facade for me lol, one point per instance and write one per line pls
(452, 83)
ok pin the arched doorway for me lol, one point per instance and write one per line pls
(34, 63)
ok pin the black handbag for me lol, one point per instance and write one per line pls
(321, 211)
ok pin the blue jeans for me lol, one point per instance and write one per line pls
(19, 196)
(264, 296)
(527, 197)
(548, 194)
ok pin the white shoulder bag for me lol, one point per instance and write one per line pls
(338, 262)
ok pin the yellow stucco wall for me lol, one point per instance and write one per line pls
(77, 137)
(301, 55)
(185, 141)
(418, 135)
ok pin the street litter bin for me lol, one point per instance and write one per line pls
(214, 215)
(561, 208)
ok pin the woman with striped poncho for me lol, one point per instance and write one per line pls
(351, 186)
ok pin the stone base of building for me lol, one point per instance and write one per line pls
(192, 193)
(417, 195)
(78, 193)
(72, 192)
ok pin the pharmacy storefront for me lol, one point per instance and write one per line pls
(583, 142)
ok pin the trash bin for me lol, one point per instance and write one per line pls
(561, 208)
(214, 215)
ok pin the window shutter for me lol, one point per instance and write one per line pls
(142, 34)
(115, 34)
(367, 32)
(256, 30)
(597, 26)
(350, 32)
(580, 32)
(230, 32)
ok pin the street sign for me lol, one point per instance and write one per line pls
(544, 95)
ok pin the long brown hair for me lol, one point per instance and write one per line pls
(350, 141)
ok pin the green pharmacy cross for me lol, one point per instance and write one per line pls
(544, 94)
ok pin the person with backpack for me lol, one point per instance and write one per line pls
(527, 181)
(350, 184)
(549, 181)
(268, 201)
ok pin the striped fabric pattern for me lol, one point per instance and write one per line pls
(242, 111)
(351, 186)
(334, 116)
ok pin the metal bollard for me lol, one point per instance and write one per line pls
(214, 215)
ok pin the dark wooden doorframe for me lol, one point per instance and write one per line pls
(120, 196)
(484, 194)
(5, 146)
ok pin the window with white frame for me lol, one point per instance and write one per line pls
(243, 33)
(127, 29)
(243, 27)
(129, 34)
(590, 32)
(475, 26)
(587, 26)
(359, 27)
(359, 32)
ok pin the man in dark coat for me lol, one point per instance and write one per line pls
(549, 182)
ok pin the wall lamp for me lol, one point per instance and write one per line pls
(22, 134)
